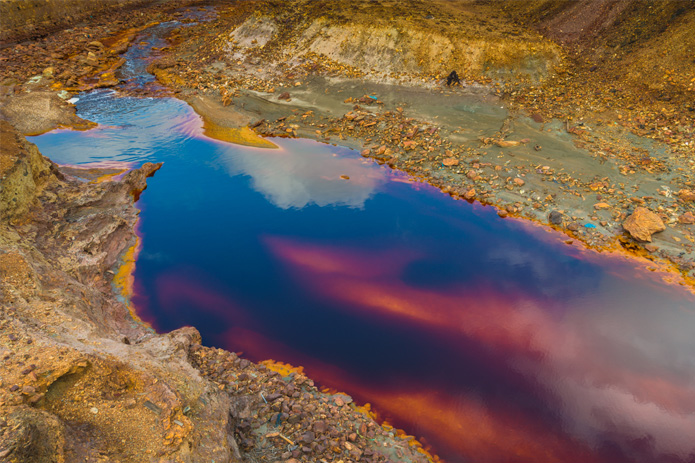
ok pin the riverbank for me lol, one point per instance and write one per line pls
(526, 135)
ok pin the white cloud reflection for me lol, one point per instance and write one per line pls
(301, 173)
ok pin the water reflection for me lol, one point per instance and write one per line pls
(615, 369)
(486, 337)
(294, 178)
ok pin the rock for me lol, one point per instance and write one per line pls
(448, 162)
(687, 218)
(320, 427)
(537, 117)
(687, 195)
(642, 224)
(519, 182)
(555, 218)
(284, 96)
(507, 143)
(94, 46)
(307, 438)
(470, 194)
(601, 206)
(40, 111)
(573, 226)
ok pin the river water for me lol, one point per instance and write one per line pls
(490, 339)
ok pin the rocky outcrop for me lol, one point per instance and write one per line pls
(39, 112)
(23, 173)
(379, 39)
(81, 379)
(642, 224)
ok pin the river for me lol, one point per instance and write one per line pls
(492, 340)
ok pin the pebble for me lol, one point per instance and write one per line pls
(555, 218)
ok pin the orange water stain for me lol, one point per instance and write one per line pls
(123, 280)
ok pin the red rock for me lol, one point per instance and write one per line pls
(642, 224)
(537, 117)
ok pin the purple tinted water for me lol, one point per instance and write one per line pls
(489, 338)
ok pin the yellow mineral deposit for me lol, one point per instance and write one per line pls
(239, 136)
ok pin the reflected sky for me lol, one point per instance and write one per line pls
(489, 338)
(305, 175)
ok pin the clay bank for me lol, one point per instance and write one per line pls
(487, 335)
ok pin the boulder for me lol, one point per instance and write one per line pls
(642, 224)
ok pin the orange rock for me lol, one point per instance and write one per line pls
(687, 218)
(470, 194)
(600, 206)
(687, 195)
(518, 181)
(642, 224)
(450, 162)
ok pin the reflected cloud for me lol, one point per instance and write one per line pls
(604, 375)
(301, 173)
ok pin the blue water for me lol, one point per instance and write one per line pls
(526, 348)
